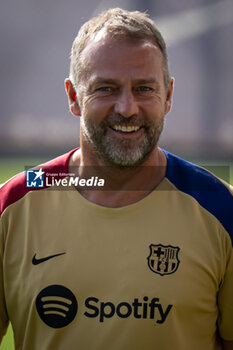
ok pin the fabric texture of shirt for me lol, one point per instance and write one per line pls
(156, 274)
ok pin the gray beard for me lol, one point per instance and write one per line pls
(121, 153)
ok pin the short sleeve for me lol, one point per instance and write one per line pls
(225, 296)
(4, 320)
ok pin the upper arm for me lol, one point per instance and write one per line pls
(225, 300)
(228, 344)
(3, 312)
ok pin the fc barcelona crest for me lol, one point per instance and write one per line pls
(163, 259)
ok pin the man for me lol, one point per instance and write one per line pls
(144, 262)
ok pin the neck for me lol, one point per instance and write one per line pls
(122, 185)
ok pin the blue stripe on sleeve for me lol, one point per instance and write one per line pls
(204, 187)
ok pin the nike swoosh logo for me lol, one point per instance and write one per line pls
(39, 261)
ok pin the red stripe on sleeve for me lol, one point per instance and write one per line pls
(15, 188)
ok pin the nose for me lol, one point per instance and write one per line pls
(126, 104)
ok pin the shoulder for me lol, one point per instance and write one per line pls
(212, 193)
(16, 188)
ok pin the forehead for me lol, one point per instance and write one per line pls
(117, 57)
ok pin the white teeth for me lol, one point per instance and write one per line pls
(125, 128)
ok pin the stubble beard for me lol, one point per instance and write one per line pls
(118, 151)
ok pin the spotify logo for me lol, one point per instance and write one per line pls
(57, 306)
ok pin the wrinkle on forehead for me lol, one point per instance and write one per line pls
(98, 53)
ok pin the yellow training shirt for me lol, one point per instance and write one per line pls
(157, 274)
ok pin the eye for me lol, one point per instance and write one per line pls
(144, 88)
(105, 89)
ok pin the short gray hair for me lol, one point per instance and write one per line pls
(134, 26)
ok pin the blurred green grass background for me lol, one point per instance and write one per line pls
(11, 166)
(8, 343)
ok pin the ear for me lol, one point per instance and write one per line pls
(170, 89)
(72, 98)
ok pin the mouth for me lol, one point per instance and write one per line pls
(125, 129)
(129, 132)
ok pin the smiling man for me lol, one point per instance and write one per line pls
(123, 109)
(146, 260)
(123, 92)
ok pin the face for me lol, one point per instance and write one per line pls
(123, 101)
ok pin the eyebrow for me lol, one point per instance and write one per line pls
(101, 80)
(146, 81)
